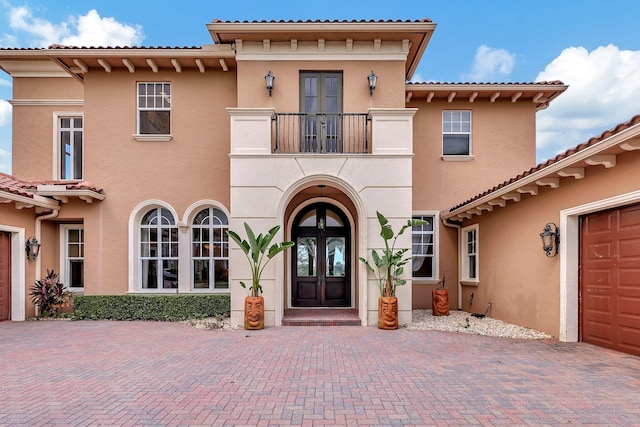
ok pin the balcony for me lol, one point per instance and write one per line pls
(321, 133)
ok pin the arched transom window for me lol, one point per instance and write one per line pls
(158, 250)
(210, 250)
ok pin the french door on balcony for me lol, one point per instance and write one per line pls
(321, 101)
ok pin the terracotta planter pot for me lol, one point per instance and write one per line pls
(440, 302)
(388, 312)
(254, 313)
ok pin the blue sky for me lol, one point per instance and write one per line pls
(591, 45)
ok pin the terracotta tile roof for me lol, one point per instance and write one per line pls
(322, 21)
(12, 185)
(554, 82)
(580, 147)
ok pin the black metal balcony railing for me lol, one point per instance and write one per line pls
(321, 133)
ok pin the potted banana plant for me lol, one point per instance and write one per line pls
(389, 267)
(258, 253)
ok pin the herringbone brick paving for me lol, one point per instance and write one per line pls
(170, 374)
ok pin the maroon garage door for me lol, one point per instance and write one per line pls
(610, 279)
(5, 276)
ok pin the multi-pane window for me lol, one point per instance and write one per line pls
(456, 133)
(154, 108)
(158, 250)
(74, 257)
(70, 135)
(423, 248)
(210, 250)
(470, 253)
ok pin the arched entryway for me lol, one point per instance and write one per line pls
(322, 260)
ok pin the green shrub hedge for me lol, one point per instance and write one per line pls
(150, 307)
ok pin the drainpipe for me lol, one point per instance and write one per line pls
(38, 234)
(458, 227)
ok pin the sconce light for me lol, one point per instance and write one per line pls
(373, 79)
(32, 247)
(321, 221)
(268, 79)
(550, 239)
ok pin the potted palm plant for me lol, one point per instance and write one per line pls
(389, 267)
(258, 253)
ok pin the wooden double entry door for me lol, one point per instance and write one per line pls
(321, 261)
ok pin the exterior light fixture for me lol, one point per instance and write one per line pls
(550, 239)
(321, 221)
(32, 248)
(268, 79)
(373, 79)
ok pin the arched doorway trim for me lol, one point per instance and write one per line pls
(359, 240)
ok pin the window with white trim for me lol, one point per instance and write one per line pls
(70, 144)
(470, 253)
(456, 133)
(158, 250)
(423, 248)
(154, 108)
(72, 238)
(210, 250)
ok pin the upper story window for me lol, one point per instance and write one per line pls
(470, 253)
(70, 141)
(456, 133)
(210, 250)
(154, 108)
(158, 250)
(423, 248)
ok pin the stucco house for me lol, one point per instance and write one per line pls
(130, 163)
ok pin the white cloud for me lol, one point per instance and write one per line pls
(491, 64)
(604, 90)
(86, 30)
(96, 31)
(5, 112)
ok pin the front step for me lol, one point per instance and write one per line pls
(321, 317)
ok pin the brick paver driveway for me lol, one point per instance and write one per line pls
(159, 374)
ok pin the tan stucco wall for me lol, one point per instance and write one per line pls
(33, 125)
(515, 275)
(503, 145)
(285, 97)
(193, 166)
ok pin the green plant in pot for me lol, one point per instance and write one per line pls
(388, 267)
(259, 251)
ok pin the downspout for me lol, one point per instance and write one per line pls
(38, 234)
(458, 227)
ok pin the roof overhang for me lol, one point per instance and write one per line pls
(539, 93)
(76, 62)
(417, 33)
(40, 203)
(62, 193)
(596, 152)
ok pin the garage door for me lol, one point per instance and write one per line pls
(5, 276)
(610, 279)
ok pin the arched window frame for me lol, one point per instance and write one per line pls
(158, 240)
(209, 250)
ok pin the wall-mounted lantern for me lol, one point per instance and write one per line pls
(268, 79)
(32, 248)
(373, 80)
(550, 239)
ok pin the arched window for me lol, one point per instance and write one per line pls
(210, 250)
(158, 250)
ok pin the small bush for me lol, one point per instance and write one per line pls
(150, 307)
(49, 295)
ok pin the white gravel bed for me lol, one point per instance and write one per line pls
(456, 321)
(461, 321)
